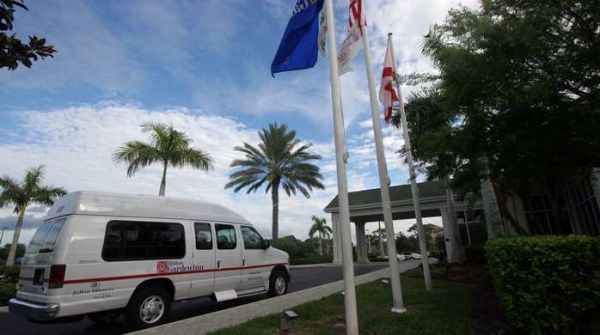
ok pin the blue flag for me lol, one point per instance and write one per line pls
(298, 48)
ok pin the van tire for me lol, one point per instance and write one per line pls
(157, 302)
(278, 283)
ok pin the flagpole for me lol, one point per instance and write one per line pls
(340, 154)
(398, 306)
(413, 179)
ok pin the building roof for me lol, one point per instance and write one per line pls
(428, 189)
(137, 205)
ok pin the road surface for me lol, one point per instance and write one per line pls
(302, 278)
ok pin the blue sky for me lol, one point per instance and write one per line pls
(203, 66)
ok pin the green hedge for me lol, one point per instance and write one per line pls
(547, 284)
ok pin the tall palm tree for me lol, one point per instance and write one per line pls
(321, 229)
(279, 160)
(167, 146)
(24, 194)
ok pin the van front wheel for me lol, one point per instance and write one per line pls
(148, 307)
(278, 283)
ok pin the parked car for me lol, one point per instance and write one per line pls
(414, 255)
(401, 257)
(106, 254)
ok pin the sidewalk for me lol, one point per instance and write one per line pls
(206, 323)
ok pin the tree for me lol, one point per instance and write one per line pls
(23, 194)
(168, 147)
(279, 160)
(516, 102)
(12, 50)
(321, 229)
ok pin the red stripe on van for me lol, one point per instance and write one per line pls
(150, 275)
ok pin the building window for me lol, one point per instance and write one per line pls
(547, 216)
(225, 236)
(135, 240)
(586, 209)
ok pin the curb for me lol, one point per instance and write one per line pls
(3, 309)
(211, 322)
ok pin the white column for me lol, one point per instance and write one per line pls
(336, 241)
(361, 243)
(458, 252)
(447, 234)
(341, 157)
(381, 252)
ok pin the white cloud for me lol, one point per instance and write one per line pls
(76, 145)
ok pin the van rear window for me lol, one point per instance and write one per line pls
(135, 240)
(45, 237)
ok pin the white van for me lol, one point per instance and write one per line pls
(104, 254)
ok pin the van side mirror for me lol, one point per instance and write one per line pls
(266, 245)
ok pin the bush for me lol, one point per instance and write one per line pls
(547, 284)
(9, 274)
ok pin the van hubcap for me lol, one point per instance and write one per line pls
(152, 309)
(280, 285)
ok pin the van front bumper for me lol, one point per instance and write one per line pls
(32, 310)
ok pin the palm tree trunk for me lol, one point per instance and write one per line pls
(163, 183)
(320, 244)
(275, 199)
(15, 241)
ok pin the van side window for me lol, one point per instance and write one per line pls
(252, 239)
(134, 240)
(203, 236)
(225, 236)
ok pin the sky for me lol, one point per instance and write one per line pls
(204, 67)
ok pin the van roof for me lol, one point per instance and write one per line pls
(141, 206)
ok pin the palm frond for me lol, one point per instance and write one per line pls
(138, 154)
(46, 195)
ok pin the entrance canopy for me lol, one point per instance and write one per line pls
(365, 206)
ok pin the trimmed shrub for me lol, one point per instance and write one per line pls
(547, 284)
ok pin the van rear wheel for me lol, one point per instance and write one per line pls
(148, 307)
(278, 283)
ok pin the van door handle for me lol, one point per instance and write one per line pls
(218, 264)
(244, 262)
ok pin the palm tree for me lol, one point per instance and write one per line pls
(167, 146)
(321, 229)
(279, 160)
(24, 194)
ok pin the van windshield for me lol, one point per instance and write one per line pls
(45, 237)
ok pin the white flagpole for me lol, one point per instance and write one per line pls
(398, 306)
(413, 179)
(340, 154)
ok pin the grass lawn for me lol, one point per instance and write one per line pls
(447, 310)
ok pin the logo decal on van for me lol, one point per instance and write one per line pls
(176, 267)
(163, 267)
